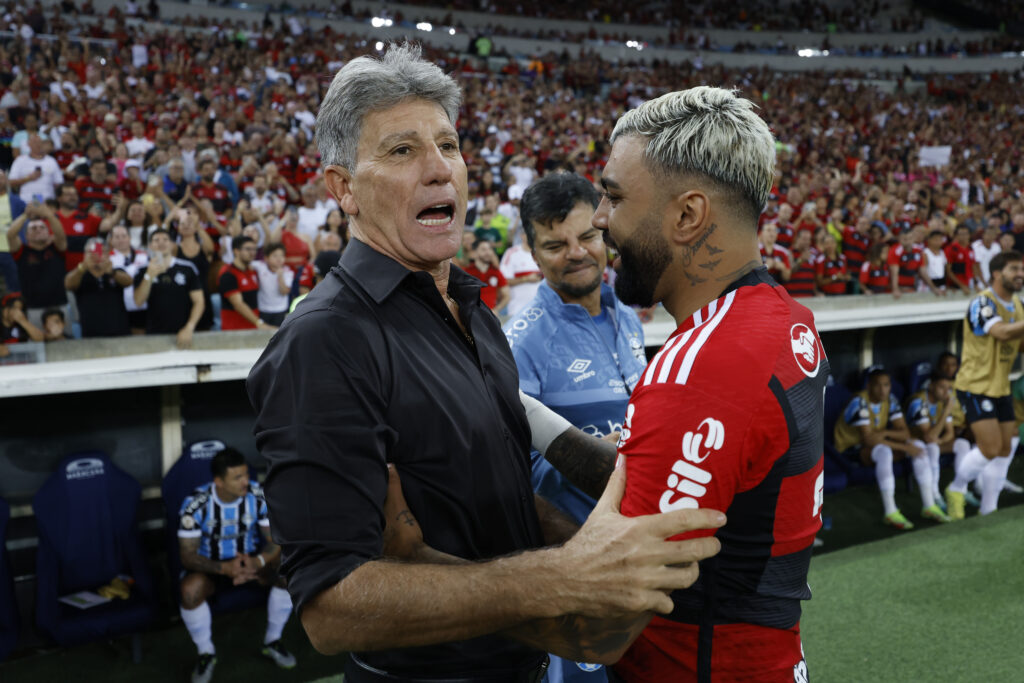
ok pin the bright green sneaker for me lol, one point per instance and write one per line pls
(955, 504)
(936, 514)
(897, 520)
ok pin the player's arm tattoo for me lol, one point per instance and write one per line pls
(193, 561)
(584, 460)
(270, 551)
(579, 638)
(555, 525)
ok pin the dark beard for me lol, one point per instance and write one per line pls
(578, 291)
(643, 259)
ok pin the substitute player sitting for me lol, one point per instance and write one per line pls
(224, 538)
(931, 424)
(872, 429)
(993, 329)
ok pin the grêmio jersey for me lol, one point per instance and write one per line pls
(861, 412)
(923, 413)
(986, 361)
(728, 416)
(225, 530)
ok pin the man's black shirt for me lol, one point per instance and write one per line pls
(371, 368)
(101, 307)
(170, 303)
(41, 273)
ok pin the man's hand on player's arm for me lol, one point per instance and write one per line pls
(615, 568)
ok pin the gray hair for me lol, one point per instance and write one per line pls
(708, 131)
(366, 85)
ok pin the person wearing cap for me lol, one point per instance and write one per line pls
(40, 259)
(393, 358)
(131, 186)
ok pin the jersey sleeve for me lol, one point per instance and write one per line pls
(982, 315)
(893, 259)
(895, 411)
(261, 505)
(227, 284)
(856, 414)
(686, 448)
(190, 519)
(918, 412)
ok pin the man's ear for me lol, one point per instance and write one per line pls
(339, 184)
(688, 215)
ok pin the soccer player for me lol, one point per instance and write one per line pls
(222, 527)
(871, 429)
(931, 424)
(728, 413)
(993, 329)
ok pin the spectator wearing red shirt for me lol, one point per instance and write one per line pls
(856, 243)
(874, 273)
(960, 259)
(206, 188)
(78, 225)
(239, 287)
(784, 225)
(830, 269)
(905, 261)
(97, 188)
(132, 186)
(774, 257)
(802, 276)
(484, 267)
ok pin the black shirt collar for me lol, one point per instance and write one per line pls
(380, 274)
(755, 277)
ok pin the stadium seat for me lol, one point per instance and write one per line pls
(86, 512)
(192, 469)
(918, 376)
(8, 607)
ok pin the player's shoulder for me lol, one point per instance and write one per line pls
(255, 489)
(197, 500)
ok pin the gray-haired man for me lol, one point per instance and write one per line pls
(394, 359)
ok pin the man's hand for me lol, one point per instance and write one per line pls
(184, 338)
(236, 569)
(617, 565)
(912, 450)
(403, 537)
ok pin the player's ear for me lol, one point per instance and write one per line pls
(688, 214)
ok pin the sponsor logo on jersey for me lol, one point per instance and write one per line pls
(627, 426)
(819, 495)
(800, 672)
(987, 311)
(637, 348)
(188, 522)
(710, 434)
(179, 279)
(805, 349)
(579, 368)
(688, 482)
(863, 413)
(84, 468)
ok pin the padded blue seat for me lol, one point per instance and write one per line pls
(86, 513)
(192, 469)
(8, 607)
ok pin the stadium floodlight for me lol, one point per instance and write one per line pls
(378, 22)
(451, 32)
(424, 26)
(379, 46)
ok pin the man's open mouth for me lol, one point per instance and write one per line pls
(438, 214)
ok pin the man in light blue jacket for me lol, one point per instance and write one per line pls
(579, 350)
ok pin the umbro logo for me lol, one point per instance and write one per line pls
(579, 365)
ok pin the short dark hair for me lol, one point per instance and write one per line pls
(937, 375)
(269, 249)
(158, 231)
(224, 460)
(936, 233)
(876, 372)
(552, 198)
(480, 240)
(1000, 260)
(50, 312)
(240, 241)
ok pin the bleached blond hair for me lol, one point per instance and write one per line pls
(707, 131)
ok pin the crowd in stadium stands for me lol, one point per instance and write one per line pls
(173, 176)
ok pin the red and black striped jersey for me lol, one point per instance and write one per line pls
(855, 248)
(801, 279)
(961, 261)
(719, 422)
(909, 262)
(231, 281)
(90, 193)
(786, 234)
(216, 193)
(831, 269)
(875, 278)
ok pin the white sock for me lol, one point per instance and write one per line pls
(932, 453)
(882, 456)
(1014, 442)
(923, 475)
(970, 467)
(199, 623)
(279, 608)
(993, 477)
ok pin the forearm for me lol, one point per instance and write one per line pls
(242, 309)
(198, 305)
(555, 525)
(584, 460)
(73, 280)
(385, 604)
(582, 639)
(197, 563)
(141, 293)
